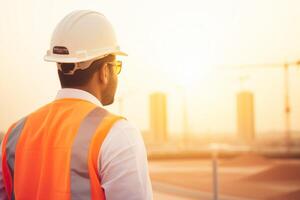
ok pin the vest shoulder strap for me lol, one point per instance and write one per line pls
(8, 155)
(95, 148)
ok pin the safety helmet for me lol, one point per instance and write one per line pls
(82, 36)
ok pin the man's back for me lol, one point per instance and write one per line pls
(46, 166)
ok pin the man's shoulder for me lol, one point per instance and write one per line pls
(123, 132)
(123, 125)
(123, 142)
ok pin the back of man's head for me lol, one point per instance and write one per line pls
(80, 77)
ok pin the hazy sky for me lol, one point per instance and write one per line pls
(171, 45)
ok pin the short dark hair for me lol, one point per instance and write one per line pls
(80, 77)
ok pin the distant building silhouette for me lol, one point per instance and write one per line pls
(158, 117)
(245, 116)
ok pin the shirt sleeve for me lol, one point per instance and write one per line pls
(123, 165)
(3, 195)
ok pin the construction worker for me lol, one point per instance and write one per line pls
(72, 148)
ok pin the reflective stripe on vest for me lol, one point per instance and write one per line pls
(11, 150)
(84, 151)
(80, 180)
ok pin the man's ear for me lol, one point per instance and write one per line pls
(104, 74)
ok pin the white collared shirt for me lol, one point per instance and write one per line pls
(122, 165)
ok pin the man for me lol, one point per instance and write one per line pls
(72, 148)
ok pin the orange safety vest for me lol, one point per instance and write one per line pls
(53, 152)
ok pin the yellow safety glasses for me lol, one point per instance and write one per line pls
(117, 66)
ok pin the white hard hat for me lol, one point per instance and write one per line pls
(82, 36)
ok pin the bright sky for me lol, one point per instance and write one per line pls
(171, 45)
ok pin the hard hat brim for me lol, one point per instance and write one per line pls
(64, 59)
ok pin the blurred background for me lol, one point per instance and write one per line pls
(212, 85)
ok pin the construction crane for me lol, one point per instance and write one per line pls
(287, 105)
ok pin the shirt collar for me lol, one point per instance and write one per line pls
(77, 94)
